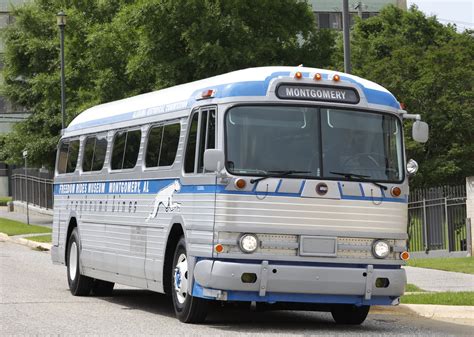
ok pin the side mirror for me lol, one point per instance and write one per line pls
(213, 160)
(420, 132)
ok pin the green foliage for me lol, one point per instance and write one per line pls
(456, 264)
(12, 227)
(445, 298)
(430, 68)
(41, 238)
(413, 288)
(119, 48)
(5, 200)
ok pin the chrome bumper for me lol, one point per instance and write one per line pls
(299, 279)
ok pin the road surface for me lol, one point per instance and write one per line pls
(35, 300)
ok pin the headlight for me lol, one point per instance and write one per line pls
(412, 167)
(248, 243)
(380, 249)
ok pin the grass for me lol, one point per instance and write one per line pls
(445, 298)
(12, 227)
(41, 238)
(457, 264)
(4, 200)
(411, 288)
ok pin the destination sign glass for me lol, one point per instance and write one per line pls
(318, 93)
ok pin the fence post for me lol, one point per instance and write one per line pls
(425, 229)
(469, 247)
(470, 212)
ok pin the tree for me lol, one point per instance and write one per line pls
(115, 49)
(429, 67)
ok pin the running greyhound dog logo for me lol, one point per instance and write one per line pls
(164, 198)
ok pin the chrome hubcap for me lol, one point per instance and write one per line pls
(73, 261)
(181, 278)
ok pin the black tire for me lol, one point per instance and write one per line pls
(79, 285)
(188, 309)
(350, 314)
(102, 288)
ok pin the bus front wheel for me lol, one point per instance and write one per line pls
(350, 314)
(188, 309)
(79, 285)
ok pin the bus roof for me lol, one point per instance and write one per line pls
(245, 83)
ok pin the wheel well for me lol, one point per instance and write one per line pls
(173, 238)
(70, 228)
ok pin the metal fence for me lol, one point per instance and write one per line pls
(437, 219)
(33, 186)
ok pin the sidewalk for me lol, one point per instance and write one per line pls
(35, 219)
(439, 280)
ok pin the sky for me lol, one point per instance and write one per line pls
(460, 12)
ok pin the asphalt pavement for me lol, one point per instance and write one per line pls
(35, 300)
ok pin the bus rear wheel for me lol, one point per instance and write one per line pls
(188, 309)
(350, 314)
(79, 285)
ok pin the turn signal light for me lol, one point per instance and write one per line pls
(405, 256)
(298, 75)
(396, 191)
(240, 183)
(317, 76)
(219, 248)
(336, 78)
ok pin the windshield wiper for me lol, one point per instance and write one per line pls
(351, 176)
(276, 174)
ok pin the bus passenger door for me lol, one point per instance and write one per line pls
(199, 186)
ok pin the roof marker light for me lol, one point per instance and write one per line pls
(208, 93)
(336, 78)
(317, 76)
(298, 75)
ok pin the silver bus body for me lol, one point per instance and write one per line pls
(315, 242)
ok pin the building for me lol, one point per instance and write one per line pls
(329, 12)
(9, 113)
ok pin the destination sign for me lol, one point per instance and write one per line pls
(318, 93)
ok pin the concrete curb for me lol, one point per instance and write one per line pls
(25, 242)
(457, 314)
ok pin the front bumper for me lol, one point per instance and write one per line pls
(306, 283)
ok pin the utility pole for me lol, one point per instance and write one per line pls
(347, 43)
(61, 20)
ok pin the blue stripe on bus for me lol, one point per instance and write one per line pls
(270, 297)
(135, 187)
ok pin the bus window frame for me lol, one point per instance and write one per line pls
(115, 131)
(79, 156)
(319, 107)
(83, 149)
(145, 147)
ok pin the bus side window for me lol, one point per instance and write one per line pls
(162, 145)
(169, 145)
(94, 154)
(68, 153)
(125, 150)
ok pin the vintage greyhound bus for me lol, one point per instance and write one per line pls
(280, 187)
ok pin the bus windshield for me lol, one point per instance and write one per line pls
(314, 142)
